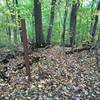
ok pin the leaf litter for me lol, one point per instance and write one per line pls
(56, 77)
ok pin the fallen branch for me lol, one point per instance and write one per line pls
(78, 49)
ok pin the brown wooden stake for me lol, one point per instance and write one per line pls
(25, 46)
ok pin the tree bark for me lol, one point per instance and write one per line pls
(38, 24)
(64, 25)
(93, 33)
(73, 16)
(52, 13)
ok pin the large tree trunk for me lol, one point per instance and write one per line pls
(73, 16)
(95, 23)
(64, 25)
(53, 3)
(38, 24)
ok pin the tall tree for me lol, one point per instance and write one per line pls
(64, 24)
(75, 6)
(95, 22)
(38, 24)
(52, 13)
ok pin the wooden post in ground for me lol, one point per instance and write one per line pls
(25, 46)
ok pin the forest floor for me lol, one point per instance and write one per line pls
(56, 76)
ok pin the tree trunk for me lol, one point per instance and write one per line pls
(73, 16)
(93, 33)
(64, 25)
(53, 3)
(38, 24)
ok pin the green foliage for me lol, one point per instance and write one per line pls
(26, 11)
